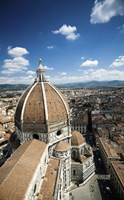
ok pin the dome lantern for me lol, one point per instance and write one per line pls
(40, 72)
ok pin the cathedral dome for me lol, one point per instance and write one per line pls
(40, 106)
(77, 138)
(62, 146)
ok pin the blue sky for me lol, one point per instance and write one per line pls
(78, 40)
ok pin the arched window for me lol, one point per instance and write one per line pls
(35, 188)
(74, 154)
(74, 172)
(36, 136)
(81, 151)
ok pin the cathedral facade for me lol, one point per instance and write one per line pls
(50, 157)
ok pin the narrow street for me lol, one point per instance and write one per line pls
(103, 178)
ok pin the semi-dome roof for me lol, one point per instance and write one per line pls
(77, 138)
(40, 105)
(62, 146)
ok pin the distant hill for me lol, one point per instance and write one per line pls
(13, 86)
(91, 84)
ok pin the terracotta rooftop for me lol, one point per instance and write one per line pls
(62, 146)
(7, 136)
(18, 170)
(110, 151)
(119, 169)
(2, 128)
(40, 103)
(83, 158)
(5, 120)
(77, 138)
(48, 187)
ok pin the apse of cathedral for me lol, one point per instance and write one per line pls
(50, 158)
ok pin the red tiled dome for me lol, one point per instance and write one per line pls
(77, 139)
(40, 105)
(62, 146)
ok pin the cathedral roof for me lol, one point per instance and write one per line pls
(47, 190)
(40, 104)
(77, 138)
(62, 146)
(18, 171)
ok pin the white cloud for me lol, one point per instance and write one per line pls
(48, 68)
(104, 10)
(47, 77)
(63, 74)
(89, 63)
(16, 64)
(68, 31)
(30, 72)
(102, 74)
(118, 62)
(90, 75)
(121, 28)
(50, 47)
(88, 71)
(17, 51)
(87, 75)
(17, 80)
(82, 57)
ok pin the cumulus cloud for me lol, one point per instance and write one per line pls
(17, 80)
(103, 74)
(90, 75)
(88, 71)
(87, 75)
(104, 10)
(30, 72)
(50, 47)
(17, 51)
(63, 74)
(89, 63)
(17, 63)
(68, 31)
(48, 68)
(14, 65)
(118, 62)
